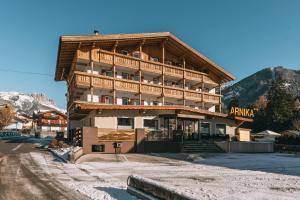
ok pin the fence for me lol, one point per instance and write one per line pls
(9, 133)
(246, 147)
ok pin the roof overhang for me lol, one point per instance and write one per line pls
(83, 107)
(69, 44)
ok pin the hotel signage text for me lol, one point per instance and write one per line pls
(242, 112)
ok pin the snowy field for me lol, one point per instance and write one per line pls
(206, 176)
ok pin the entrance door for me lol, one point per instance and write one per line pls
(191, 129)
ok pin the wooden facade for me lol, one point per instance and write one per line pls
(156, 66)
(51, 119)
(156, 69)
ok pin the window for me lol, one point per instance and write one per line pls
(125, 122)
(221, 129)
(109, 73)
(154, 59)
(205, 128)
(155, 81)
(151, 124)
(124, 52)
(155, 103)
(136, 54)
(125, 101)
(125, 75)
(136, 78)
(98, 148)
(107, 99)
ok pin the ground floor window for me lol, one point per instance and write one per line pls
(98, 148)
(221, 129)
(205, 128)
(151, 124)
(125, 123)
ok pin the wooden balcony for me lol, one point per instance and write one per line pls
(111, 58)
(194, 76)
(85, 80)
(124, 61)
(82, 81)
(83, 54)
(173, 93)
(174, 72)
(208, 80)
(194, 96)
(102, 83)
(151, 90)
(210, 98)
(127, 86)
(106, 58)
(151, 67)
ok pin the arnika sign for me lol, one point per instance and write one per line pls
(242, 112)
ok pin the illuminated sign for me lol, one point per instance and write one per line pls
(242, 112)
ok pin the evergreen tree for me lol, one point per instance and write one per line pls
(280, 107)
(259, 123)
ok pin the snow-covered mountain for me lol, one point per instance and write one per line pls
(28, 103)
(250, 88)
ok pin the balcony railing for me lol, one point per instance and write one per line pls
(151, 67)
(194, 76)
(211, 98)
(126, 62)
(102, 83)
(85, 80)
(126, 86)
(152, 90)
(193, 96)
(171, 71)
(110, 58)
(173, 93)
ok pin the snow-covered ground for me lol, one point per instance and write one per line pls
(206, 176)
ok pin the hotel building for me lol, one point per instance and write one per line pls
(124, 90)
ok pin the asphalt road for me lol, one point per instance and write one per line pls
(22, 178)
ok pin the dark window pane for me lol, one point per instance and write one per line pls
(98, 148)
(151, 123)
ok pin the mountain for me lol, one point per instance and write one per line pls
(28, 103)
(250, 88)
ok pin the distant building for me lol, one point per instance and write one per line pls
(50, 121)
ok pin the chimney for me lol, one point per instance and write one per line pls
(96, 32)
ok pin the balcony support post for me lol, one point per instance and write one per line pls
(163, 70)
(140, 74)
(114, 74)
(91, 78)
(220, 102)
(183, 81)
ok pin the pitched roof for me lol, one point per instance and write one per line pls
(69, 44)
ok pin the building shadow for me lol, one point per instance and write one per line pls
(116, 193)
(278, 163)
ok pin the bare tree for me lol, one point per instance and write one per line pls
(296, 124)
(261, 102)
(7, 114)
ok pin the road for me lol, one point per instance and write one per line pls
(22, 178)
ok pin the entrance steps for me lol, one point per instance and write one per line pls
(200, 146)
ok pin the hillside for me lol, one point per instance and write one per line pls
(28, 103)
(250, 88)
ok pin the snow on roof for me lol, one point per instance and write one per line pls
(268, 133)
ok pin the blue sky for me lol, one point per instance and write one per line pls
(241, 36)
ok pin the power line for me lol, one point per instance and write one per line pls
(25, 72)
